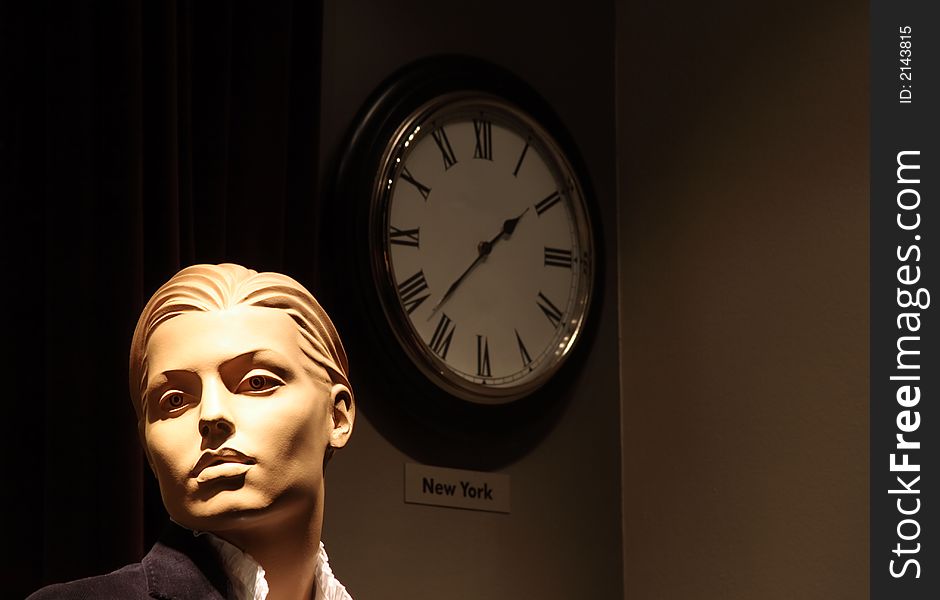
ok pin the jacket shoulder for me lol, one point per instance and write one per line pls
(126, 583)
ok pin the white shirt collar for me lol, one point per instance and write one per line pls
(247, 576)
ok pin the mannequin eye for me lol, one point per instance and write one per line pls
(174, 401)
(257, 383)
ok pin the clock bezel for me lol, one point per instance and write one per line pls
(403, 403)
(438, 111)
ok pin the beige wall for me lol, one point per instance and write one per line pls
(743, 185)
(742, 168)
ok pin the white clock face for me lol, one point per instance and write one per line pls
(487, 250)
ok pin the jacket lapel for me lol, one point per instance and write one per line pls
(181, 566)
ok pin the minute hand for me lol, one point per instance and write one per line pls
(483, 250)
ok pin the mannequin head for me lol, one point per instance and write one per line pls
(240, 384)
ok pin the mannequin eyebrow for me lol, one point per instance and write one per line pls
(264, 357)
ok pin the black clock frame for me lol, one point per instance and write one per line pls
(402, 401)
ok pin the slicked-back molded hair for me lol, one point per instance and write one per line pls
(204, 288)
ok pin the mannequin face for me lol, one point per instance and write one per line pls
(237, 419)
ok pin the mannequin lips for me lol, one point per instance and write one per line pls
(225, 462)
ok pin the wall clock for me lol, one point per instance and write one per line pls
(476, 227)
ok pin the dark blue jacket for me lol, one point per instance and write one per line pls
(179, 567)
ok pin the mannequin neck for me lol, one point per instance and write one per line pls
(287, 550)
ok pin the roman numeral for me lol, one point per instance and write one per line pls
(443, 144)
(547, 203)
(483, 131)
(443, 334)
(410, 289)
(551, 311)
(557, 257)
(406, 237)
(423, 189)
(515, 172)
(483, 357)
(526, 359)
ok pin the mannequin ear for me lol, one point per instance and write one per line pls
(344, 414)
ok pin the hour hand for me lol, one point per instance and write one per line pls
(509, 225)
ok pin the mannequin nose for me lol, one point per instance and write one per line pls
(215, 419)
(219, 427)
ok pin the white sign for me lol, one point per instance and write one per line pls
(456, 488)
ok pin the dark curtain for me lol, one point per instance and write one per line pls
(138, 137)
